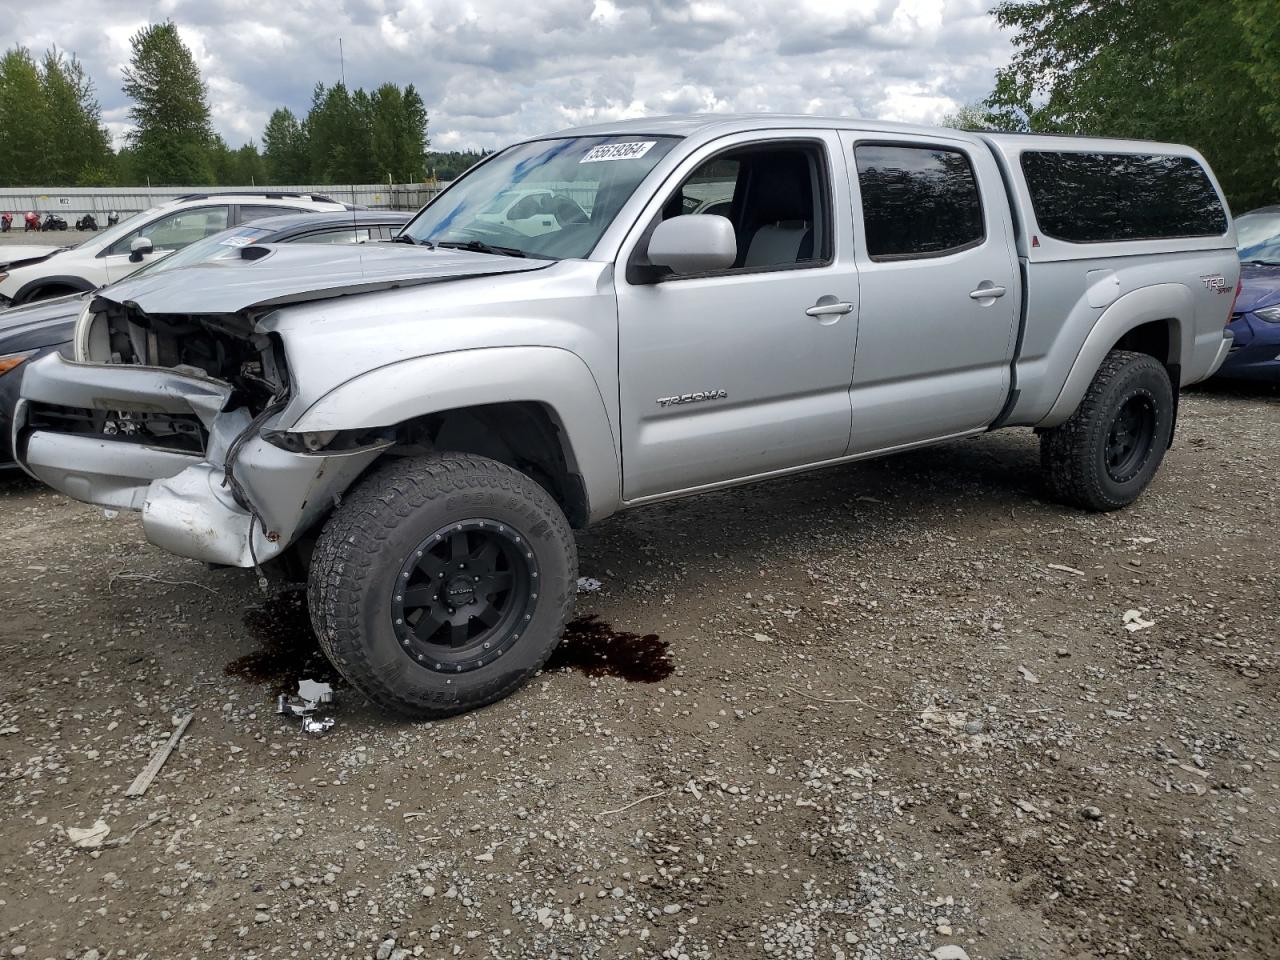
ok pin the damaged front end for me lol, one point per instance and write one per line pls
(177, 416)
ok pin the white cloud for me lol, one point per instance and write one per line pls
(492, 71)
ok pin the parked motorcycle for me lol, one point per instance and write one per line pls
(6, 222)
(87, 223)
(53, 222)
(31, 221)
(113, 217)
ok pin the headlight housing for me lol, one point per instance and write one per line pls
(81, 335)
(11, 361)
(1269, 314)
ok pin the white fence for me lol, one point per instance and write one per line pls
(73, 202)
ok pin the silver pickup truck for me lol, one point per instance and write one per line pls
(620, 314)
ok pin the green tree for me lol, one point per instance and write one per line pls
(23, 120)
(971, 116)
(398, 133)
(172, 136)
(1260, 35)
(338, 131)
(450, 164)
(1172, 70)
(78, 147)
(284, 145)
(241, 167)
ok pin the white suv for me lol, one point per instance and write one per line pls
(143, 238)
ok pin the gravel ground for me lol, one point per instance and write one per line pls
(893, 713)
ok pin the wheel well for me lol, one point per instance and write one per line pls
(1153, 338)
(524, 435)
(47, 289)
(1156, 339)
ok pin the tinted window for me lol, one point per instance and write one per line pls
(1093, 197)
(248, 213)
(917, 201)
(340, 235)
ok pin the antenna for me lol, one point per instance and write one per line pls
(342, 65)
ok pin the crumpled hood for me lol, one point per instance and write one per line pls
(1260, 287)
(20, 254)
(40, 324)
(293, 273)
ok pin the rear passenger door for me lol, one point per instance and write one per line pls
(938, 286)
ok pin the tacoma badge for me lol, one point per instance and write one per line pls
(692, 397)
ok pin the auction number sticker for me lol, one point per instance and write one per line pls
(236, 241)
(632, 150)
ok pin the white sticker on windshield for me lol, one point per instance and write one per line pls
(237, 241)
(633, 150)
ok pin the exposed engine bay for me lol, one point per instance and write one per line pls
(218, 347)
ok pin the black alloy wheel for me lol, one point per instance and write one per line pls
(464, 595)
(1129, 439)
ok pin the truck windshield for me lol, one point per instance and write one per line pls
(1258, 237)
(551, 199)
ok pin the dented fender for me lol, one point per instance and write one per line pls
(553, 377)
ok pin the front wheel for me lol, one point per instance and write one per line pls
(442, 583)
(1107, 453)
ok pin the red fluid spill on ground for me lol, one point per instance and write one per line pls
(594, 647)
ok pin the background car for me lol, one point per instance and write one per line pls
(31, 331)
(1255, 320)
(154, 233)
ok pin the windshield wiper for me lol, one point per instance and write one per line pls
(405, 238)
(1264, 263)
(479, 246)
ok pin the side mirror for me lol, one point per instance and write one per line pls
(140, 247)
(693, 243)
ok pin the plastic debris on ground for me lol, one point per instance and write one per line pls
(588, 584)
(311, 696)
(1134, 621)
(88, 838)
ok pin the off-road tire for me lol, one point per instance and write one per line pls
(359, 555)
(1074, 455)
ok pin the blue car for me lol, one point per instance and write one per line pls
(1255, 320)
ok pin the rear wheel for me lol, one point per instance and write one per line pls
(441, 584)
(1106, 454)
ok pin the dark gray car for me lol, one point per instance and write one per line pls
(31, 331)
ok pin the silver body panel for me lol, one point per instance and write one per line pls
(657, 389)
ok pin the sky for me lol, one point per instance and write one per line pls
(493, 71)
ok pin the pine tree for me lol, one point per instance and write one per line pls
(23, 120)
(79, 149)
(284, 145)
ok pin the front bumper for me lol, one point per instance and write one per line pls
(187, 506)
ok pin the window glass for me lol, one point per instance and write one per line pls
(340, 235)
(1258, 237)
(218, 246)
(177, 230)
(917, 201)
(547, 198)
(1095, 197)
(255, 212)
(773, 196)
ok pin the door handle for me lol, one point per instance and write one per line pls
(986, 293)
(837, 309)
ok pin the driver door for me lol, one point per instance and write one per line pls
(744, 371)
